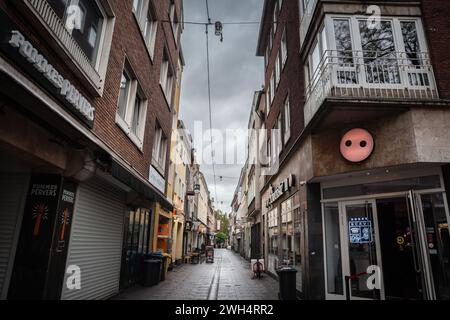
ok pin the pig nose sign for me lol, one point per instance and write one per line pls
(357, 145)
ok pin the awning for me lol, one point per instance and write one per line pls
(142, 187)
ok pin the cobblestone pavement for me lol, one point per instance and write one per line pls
(228, 278)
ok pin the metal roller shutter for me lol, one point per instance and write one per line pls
(96, 240)
(12, 195)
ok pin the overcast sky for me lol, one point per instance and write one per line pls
(236, 73)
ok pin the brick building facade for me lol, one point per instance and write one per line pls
(361, 185)
(87, 92)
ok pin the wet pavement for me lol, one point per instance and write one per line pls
(228, 278)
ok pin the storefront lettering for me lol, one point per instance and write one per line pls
(64, 86)
(277, 192)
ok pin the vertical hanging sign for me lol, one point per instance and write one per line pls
(33, 250)
(61, 236)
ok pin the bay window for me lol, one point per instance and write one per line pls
(393, 53)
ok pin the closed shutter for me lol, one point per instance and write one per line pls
(12, 193)
(96, 240)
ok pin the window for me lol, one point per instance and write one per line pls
(333, 249)
(379, 53)
(411, 42)
(343, 41)
(272, 88)
(137, 7)
(173, 20)
(275, 17)
(150, 29)
(137, 115)
(277, 70)
(132, 107)
(316, 59)
(159, 150)
(284, 51)
(84, 21)
(267, 56)
(166, 78)
(279, 139)
(287, 121)
(124, 94)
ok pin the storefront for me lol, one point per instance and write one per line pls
(284, 226)
(178, 237)
(64, 193)
(390, 225)
(162, 240)
(136, 242)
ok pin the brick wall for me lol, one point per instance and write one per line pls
(291, 79)
(435, 14)
(127, 42)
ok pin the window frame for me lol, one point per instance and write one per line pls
(284, 48)
(136, 135)
(174, 21)
(286, 120)
(166, 69)
(159, 158)
(398, 42)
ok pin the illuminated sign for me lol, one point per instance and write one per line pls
(357, 145)
(360, 230)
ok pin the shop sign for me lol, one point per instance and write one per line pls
(360, 230)
(16, 46)
(157, 180)
(280, 190)
(357, 145)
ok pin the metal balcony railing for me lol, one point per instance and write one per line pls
(45, 13)
(370, 75)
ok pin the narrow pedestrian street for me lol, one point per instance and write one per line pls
(228, 278)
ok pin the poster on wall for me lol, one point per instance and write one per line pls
(61, 236)
(33, 249)
(360, 230)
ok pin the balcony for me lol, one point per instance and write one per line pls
(374, 76)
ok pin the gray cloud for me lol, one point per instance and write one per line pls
(236, 73)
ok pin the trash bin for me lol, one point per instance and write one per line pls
(209, 254)
(286, 279)
(163, 264)
(151, 272)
